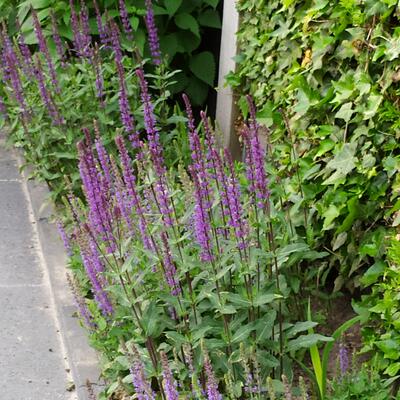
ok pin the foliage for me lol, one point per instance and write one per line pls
(203, 271)
(380, 311)
(361, 383)
(78, 101)
(183, 26)
(325, 77)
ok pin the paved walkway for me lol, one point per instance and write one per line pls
(33, 361)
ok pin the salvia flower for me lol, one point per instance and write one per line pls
(11, 73)
(156, 152)
(99, 82)
(199, 164)
(98, 289)
(86, 38)
(45, 94)
(152, 33)
(170, 385)
(123, 12)
(169, 267)
(236, 216)
(343, 359)
(100, 27)
(97, 193)
(76, 31)
(211, 384)
(3, 108)
(81, 305)
(201, 222)
(140, 383)
(26, 53)
(57, 40)
(64, 237)
(115, 41)
(256, 160)
(130, 183)
(45, 50)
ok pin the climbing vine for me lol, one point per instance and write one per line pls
(325, 76)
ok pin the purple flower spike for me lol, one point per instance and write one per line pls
(343, 359)
(46, 96)
(169, 267)
(156, 152)
(130, 183)
(97, 193)
(255, 160)
(86, 38)
(236, 220)
(64, 237)
(3, 108)
(201, 221)
(45, 50)
(170, 385)
(199, 164)
(140, 383)
(26, 53)
(76, 31)
(81, 305)
(10, 67)
(152, 33)
(211, 384)
(123, 12)
(57, 40)
(99, 293)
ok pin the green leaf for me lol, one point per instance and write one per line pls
(265, 325)
(242, 334)
(342, 164)
(374, 101)
(188, 22)
(329, 216)
(212, 3)
(227, 309)
(373, 273)
(203, 67)
(340, 240)
(210, 18)
(172, 6)
(262, 299)
(307, 341)
(197, 91)
(345, 112)
(300, 327)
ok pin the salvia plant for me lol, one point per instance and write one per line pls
(185, 269)
(49, 94)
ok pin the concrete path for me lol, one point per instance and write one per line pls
(41, 344)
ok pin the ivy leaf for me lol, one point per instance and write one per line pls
(339, 241)
(343, 163)
(345, 112)
(172, 6)
(203, 67)
(187, 21)
(329, 216)
(374, 101)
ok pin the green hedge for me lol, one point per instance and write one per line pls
(332, 67)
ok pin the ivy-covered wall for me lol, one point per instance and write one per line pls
(332, 67)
